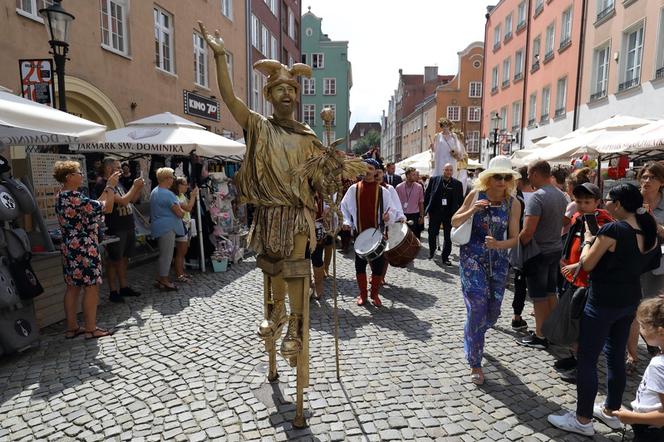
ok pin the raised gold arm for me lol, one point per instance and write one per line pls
(237, 107)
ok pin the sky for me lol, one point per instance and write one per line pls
(385, 35)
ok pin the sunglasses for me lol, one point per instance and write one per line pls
(499, 177)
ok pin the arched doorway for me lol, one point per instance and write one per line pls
(87, 101)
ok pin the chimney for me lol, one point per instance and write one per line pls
(430, 73)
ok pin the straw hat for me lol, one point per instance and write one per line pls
(500, 165)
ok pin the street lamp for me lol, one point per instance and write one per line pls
(496, 122)
(57, 22)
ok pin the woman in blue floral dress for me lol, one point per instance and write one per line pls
(484, 264)
(79, 218)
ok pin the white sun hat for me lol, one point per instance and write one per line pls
(500, 165)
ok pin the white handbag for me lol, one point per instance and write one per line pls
(461, 235)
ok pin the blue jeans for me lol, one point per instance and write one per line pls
(602, 328)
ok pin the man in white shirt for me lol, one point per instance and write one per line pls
(446, 148)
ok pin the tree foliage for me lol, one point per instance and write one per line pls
(371, 139)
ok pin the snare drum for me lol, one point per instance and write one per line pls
(370, 244)
(402, 245)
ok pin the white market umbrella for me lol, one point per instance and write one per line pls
(422, 162)
(26, 123)
(620, 122)
(165, 134)
(648, 137)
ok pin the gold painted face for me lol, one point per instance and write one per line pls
(283, 98)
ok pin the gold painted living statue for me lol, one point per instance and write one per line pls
(280, 176)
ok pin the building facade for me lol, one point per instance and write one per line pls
(623, 70)
(531, 69)
(360, 130)
(274, 33)
(388, 130)
(419, 127)
(331, 81)
(129, 60)
(460, 100)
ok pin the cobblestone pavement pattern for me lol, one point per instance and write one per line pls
(189, 366)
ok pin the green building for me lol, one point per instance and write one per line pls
(331, 81)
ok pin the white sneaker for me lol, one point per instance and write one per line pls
(610, 421)
(568, 422)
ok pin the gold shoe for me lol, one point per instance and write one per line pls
(278, 318)
(292, 342)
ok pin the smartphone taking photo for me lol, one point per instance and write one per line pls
(591, 221)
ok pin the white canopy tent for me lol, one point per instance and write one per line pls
(423, 163)
(518, 155)
(165, 134)
(26, 123)
(639, 141)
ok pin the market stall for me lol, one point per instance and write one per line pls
(170, 136)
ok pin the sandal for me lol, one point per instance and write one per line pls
(71, 334)
(183, 278)
(164, 287)
(97, 333)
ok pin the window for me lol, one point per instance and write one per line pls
(114, 25)
(291, 24)
(494, 79)
(334, 113)
(200, 60)
(255, 26)
(550, 41)
(532, 109)
(163, 39)
(521, 14)
(229, 63)
(30, 8)
(508, 27)
(454, 113)
(561, 97)
(256, 101)
(518, 65)
(546, 104)
(503, 118)
(272, 4)
(474, 114)
(604, 8)
(329, 86)
(227, 9)
(475, 89)
(516, 115)
(537, 46)
(566, 28)
(659, 73)
(265, 41)
(600, 73)
(496, 37)
(473, 141)
(633, 50)
(506, 71)
(539, 7)
(275, 48)
(304, 58)
(308, 86)
(318, 61)
(309, 114)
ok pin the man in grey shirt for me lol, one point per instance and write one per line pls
(543, 223)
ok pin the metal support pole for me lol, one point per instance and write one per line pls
(200, 233)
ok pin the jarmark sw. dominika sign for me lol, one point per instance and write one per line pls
(200, 106)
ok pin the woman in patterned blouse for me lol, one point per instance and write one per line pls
(79, 218)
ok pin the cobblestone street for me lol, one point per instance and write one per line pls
(189, 366)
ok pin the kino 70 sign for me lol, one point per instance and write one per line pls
(201, 107)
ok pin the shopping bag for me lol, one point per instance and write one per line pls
(461, 235)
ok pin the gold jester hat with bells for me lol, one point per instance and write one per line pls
(278, 73)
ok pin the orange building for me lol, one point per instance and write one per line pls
(531, 70)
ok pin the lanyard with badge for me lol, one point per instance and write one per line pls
(446, 187)
(408, 194)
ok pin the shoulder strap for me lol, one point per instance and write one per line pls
(381, 223)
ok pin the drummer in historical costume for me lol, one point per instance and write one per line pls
(446, 147)
(368, 206)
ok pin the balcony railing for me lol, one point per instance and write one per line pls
(560, 112)
(548, 56)
(659, 73)
(506, 83)
(628, 84)
(565, 43)
(535, 67)
(544, 118)
(494, 90)
(518, 76)
(538, 10)
(508, 37)
(496, 46)
(520, 26)
(605, 12)
(598, 95)
(531, 122)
